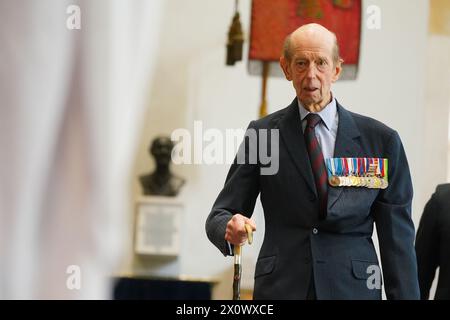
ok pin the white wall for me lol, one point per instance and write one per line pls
(194, 84)
(436, 117)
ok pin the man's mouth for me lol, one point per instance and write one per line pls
(311, 89)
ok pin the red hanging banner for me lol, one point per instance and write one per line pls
(272, 21)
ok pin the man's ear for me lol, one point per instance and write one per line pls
(284, 64)
(337, 70)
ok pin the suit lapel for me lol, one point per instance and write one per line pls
(291, 132)
(346, 146)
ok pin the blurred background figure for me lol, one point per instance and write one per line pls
(71, 101)
(433, 244)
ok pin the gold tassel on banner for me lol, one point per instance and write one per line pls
(265, 75)
(235, 39)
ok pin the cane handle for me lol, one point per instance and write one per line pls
(249, 230)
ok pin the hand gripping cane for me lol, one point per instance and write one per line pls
(238, 264)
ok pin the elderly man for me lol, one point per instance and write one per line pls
(339, 173)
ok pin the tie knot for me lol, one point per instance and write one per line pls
(313, 119)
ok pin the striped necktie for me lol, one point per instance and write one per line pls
(317, 162)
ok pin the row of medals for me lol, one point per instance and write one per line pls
(371, 182)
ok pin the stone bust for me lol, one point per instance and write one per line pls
(161, 182)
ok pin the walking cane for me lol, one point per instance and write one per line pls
(238, 264)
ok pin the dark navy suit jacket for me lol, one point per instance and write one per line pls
(338, 252)
(432, 244)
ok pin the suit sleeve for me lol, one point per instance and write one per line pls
(238, 194)
(395, 228)
(427, 246)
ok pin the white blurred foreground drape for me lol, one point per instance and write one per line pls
(71, 102)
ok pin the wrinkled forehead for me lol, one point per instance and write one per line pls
(312, 44)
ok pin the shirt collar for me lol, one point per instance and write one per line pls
(328, 114)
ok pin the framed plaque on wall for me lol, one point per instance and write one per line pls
(158, 226)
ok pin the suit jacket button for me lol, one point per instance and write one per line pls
(315, 231)
(312, 197)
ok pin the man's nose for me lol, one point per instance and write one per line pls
(311, 72)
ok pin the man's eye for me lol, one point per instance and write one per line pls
(301, 63)
(321, 62)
